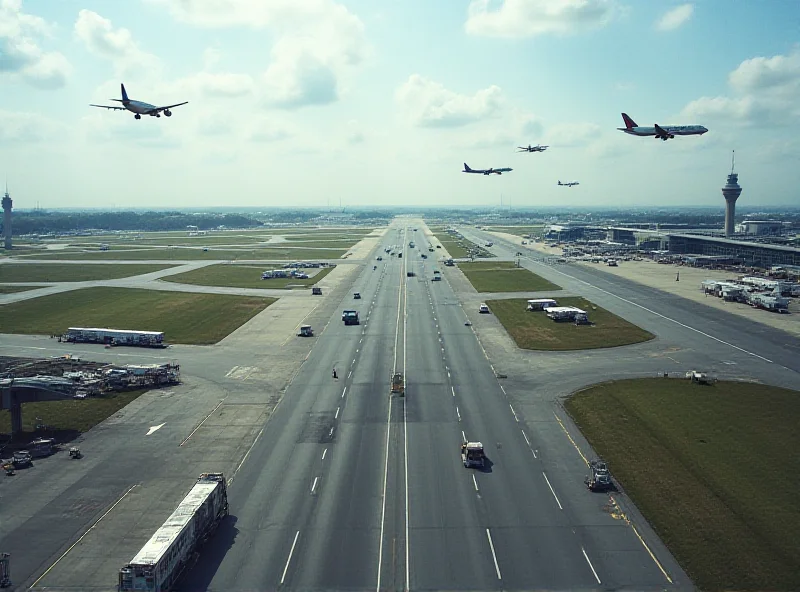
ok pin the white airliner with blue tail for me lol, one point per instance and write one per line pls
(139, 107)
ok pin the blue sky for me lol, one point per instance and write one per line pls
(297, 102)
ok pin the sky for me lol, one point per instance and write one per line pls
(379, 103)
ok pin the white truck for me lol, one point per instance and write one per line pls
(159, 564)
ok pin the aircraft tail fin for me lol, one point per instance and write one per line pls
(466, 167)
(124, 94)
(629, 123)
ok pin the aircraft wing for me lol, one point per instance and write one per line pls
(165, 107)
(109, 107)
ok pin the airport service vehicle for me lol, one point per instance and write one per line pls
(600, 479)
(350, 317)
(411, 245)
(306, 331)
(374, 267)
(410, 274)
(75, 452)
(316, 291)
(379, 258)
(437, 275)
(400, 255)
(472, 454)
(356, 295)
(21, 458)
(483, 309)
(398, 383)
(611, 263)
(5, 570)
(42, 447)
(159, 564)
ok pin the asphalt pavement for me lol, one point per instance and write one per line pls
(347, 486)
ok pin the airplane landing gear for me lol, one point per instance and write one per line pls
(137, 116)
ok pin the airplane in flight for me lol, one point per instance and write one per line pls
(139, 107)
(568, 184)
(485, 171)
(537, 148)
(664, 132)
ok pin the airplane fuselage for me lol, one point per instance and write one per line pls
(673, 130)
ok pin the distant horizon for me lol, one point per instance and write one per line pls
(406, 209)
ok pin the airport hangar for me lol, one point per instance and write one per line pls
(746, 252)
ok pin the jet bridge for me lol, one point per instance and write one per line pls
(16, 391)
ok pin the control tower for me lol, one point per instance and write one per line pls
(731, 192)
(7, 219)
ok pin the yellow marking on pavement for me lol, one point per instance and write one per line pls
(561, 423)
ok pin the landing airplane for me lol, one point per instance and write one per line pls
(664, 132)
(568, 184)
(537, 148)
(485, 171)
(138, 107)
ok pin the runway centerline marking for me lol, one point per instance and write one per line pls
(475, 482)
(494, 556)
(343, 392)
(512, 410)
(324, 452)
(337, 413)
(552, 491)
(314, 485)
(524, 435)
(289, 559)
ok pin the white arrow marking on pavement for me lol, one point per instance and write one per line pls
(155, 428)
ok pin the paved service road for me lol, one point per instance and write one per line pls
(351, 488)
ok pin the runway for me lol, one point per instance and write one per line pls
(352, 488)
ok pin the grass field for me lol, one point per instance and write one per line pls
(533, 330)
(504, 276)
(712, 468)
(67, 419)
(53, 272)
(14, 289)
(242, 276)
(179, 254)
(183, 317)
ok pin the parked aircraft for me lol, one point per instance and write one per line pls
(485, 171)
(664, 132)
(139, 107)
(568, 184)
(537, 148)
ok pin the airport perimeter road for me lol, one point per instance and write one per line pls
(717, 336)
(318, 502)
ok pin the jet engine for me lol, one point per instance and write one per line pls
(167, 112)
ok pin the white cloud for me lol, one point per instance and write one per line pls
(319, 43)
(219, 84)
(354, 133)
(20, 127)
(20, 53)
(269, 130)
(101, 38)
(527, 18)
(674, 18)
(430, 104)
(765, 91)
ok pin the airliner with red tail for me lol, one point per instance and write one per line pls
(663, 132)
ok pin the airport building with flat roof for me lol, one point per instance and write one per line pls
(748, 253)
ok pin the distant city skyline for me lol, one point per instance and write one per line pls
(379, 104)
